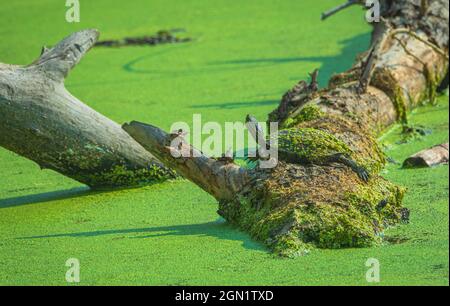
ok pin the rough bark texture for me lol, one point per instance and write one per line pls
(316, 202)
(220, 178)
(42, 121)
(428, 157)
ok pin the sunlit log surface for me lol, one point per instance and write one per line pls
(42, 121)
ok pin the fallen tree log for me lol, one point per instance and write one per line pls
(433, 156)
(298, 206)
(42, 121)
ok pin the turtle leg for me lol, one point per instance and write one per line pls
(256, 131)
(345, 160)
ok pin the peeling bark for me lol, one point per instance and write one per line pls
(42, 121)
(297, 206)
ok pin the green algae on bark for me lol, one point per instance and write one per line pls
(310, 145)
(43, 122)
(384, 80)
(121, 176)
(296, 209)
(361, 145)
(307, 113)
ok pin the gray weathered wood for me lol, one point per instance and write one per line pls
(429, 157)
(220, 178)
(42, 121)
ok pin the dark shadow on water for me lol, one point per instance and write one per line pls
(47, 197)
(328, 64)
(219, 229)
(233, 105)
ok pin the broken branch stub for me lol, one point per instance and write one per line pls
(428, 158)
(42, 121)
(316, 201)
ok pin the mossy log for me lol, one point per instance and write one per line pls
(295, 207)
(42, 121)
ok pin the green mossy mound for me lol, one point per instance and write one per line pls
(340, 134)
(308, 145)
(306, 113)
(309, 201)
(298, 208)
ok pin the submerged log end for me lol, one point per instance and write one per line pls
(428, 157)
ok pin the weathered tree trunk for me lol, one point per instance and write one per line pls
(296, 206)
(41, 120)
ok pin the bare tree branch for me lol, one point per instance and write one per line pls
(42, 121)
(221, 178)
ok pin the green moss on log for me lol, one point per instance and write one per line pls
(296, 210)
(384, 80)
(307, 113)
(296, 207)
(351, 138)
(310, 145)
(433, 82)
(122, 176)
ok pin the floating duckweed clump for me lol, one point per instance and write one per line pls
(413, 132)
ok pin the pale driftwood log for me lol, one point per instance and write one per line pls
(433, 156)
(42, 121)
(220, 178)
(327, 205)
